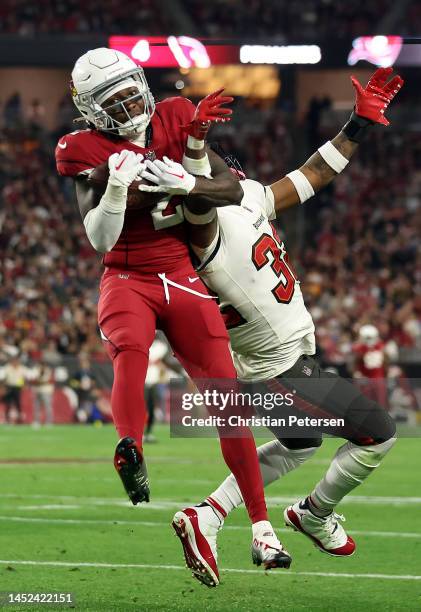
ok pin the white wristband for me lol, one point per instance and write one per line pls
(199, 219)
(333, 157)
(198, 167)
(302, 185)
(194, 143)
(114, 199)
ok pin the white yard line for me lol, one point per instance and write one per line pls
(24, 519)
(232, 570)
(159, 504)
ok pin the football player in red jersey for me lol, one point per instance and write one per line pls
(149, 280)
(371, 363)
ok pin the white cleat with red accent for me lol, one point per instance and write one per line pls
(266, 549)
(327, 533)
(197, 528)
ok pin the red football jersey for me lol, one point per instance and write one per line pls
(371, 360)
(152, 240)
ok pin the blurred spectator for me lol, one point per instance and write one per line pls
(317, 106)
(162, 367)
(83, 383)
(154, 376)
(12, 111)
(100, 409)
(43, 388)
(14, 376)
(36, 113)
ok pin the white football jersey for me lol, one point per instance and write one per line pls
(260, 298)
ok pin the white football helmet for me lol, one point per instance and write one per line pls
(100, 73)
(369, 334)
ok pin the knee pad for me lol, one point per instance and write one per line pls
(370, 456)
(377, 428)
(299, 443)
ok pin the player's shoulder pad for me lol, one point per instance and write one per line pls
(72, 152)
(252, 189)
(178, 106)
(257, 196)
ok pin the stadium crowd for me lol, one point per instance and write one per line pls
(293, 21)
(278, 18)
(357, 256)
(27, 18)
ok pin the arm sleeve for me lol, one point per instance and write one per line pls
(103, 224)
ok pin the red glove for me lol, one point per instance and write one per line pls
(208, 110)
(372, 102)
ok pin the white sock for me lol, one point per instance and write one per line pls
(349, 468)
(275, 461)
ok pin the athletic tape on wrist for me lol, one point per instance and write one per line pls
(198, 167)
(302, 185)
(333, 157)
(194, 143)
(114, 199)
(199, 219)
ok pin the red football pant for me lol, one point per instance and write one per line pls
(131, 306)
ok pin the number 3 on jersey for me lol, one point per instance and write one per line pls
(266, 244)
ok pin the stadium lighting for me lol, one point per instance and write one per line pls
(189, 52)
(274, 54)
(141, 51)
(378, 50)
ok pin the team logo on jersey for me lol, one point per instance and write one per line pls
(73, 89)
(151, 155)
(307, 371)
(259, 222)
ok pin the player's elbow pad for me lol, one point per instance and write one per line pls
(103, 224)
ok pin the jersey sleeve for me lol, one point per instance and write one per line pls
(255, 193)
(179, 111)
(183, 108)
(71, 156)
(269, 203)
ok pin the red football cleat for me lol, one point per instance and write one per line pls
(197, 528)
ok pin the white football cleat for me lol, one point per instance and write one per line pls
(266, 549)
(327, 533)
(197, 528)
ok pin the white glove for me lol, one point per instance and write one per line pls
(168, 176)
(124, 167)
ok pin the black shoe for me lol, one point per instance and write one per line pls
(131, 467)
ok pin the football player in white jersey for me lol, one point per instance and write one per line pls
(243, 261)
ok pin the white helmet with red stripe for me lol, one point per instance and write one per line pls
(102, 72)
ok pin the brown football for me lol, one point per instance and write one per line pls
(136, 199)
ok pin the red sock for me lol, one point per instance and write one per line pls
(241, 457)
(127, 397)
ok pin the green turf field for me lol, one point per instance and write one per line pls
(62, 508)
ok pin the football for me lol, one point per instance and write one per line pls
(135, 199)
